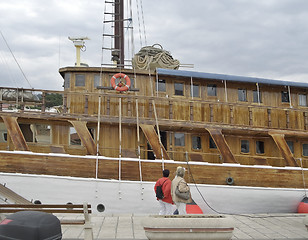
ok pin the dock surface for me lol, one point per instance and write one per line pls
(127, 226)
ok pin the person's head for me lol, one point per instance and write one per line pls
(166, 173)
(180, 171)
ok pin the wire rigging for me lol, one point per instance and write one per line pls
(15, 59)
(145, 36)
(138, 16)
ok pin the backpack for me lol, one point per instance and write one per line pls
(159, 191)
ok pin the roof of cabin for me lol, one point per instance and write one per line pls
(193, 74)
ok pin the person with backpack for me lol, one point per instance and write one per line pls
(162, 189)
(180, 191)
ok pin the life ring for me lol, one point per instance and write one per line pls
(120, 86)
(229, 180)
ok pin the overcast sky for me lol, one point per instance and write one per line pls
(258, 38)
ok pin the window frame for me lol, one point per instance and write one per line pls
(73, 131)
(299, 99)
(96, 81)
(183, 84)
(77, 83)
(291, 148)
(175, 139)
(158, 85)
(305, 143)
(192, 143)
(212, 144)
(283, 95)
(192, 90)
(213, 86)
(5, 136)
(248, 146)
(244, 91)
(263, 143)
(253, 96)
(67, 80)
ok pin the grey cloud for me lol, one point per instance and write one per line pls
(262, 38)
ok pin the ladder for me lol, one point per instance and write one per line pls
(113, 32)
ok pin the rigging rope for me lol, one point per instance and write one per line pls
(137, 108)
(138, 17)
(145, 36)
(156, 120)
(15, 60)
(232, 214)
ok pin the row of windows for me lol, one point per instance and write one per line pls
(179, 140)
(80, 81)
(212, 91)
(195, 90)
(179, 89)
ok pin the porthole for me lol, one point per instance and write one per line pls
(100, 208)
(69, 207)
(229, 180)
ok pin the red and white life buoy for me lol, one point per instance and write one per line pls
(121, 86)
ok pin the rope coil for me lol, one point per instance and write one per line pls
(151, 57)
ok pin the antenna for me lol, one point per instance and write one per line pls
(79, 43)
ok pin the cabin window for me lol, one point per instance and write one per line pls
(291, 146)
(5, 137)
(212, 143)
(74, 137)
(41, 133)
(244, 146)
(97, 81)
(27, 131)
(285, 97)
(179, 139)
(256, 96)
(179, 89)
(196, 142)
(260, 147)
(211, 90)
(161, 85)
(302, 100)
(132, 82)
(305, 149)
(242, 96)
(80, 80)
(67, 80)
(3, 133)
(195, 90)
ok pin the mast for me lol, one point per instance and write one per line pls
(118, 54)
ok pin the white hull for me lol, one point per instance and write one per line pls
(139, 198)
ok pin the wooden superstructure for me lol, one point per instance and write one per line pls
(178, 115)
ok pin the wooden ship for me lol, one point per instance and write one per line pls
(242, 140)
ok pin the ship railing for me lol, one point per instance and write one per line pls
(25, 99)
(183, 109)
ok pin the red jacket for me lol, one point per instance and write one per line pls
(166, 187)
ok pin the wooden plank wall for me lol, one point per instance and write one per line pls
(151, 171)
(270, 114)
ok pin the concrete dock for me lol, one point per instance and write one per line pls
(261, 226)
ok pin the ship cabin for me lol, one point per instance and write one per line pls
(165, 114)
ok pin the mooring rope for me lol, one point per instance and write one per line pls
(304, 183)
